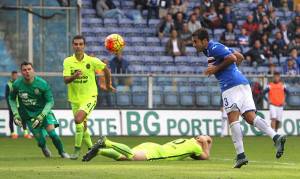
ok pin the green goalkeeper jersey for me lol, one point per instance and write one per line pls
(34, 98)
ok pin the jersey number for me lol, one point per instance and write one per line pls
(225, 102)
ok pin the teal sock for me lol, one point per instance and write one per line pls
(56, 141)
(41, 140)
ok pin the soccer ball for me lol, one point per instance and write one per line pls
(114, 43)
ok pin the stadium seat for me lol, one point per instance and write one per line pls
(202, 96)
(182, 69)
(156, 69)
(170, 69)
(166, 60)
(171, 96)
(139, 96)
(164, 81)
(151, 60)
(186, 96)
(157, 96)
(182, 60)
(294, 96)
(152, 41)
(215, 96)
(123, 96)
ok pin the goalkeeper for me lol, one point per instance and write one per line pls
(197, 148)
(35, 102)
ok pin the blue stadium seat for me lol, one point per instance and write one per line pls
(123, 96)
(157, 96)
(199, 69)
(151, 60)
(171, 96)
(138, 41)
(166, 60)
(170, 69)
(110, 22)
(181, 81)
(215, 96)
(134, 60)
(294, 96)
(164, 81)
(185, 69)
(195, 81)
(182, 60)
(202, 96)
(186, 96)
(156, 69)
(124, 22)
(152, 41)
(139, 96)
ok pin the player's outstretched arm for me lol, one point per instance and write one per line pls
(12, 101)
(49, 101)
(212, 69)
(107, 76)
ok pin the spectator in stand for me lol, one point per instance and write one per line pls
(175, 46)
(266, 46)
(229, 38)
(256, 54)
(107, 9)
(274, 20)
(164, 7)
(292, 27)
(257, 34)
(118, 65)
(212, 18)
(267, 26)
(257, 93)
(179, 21)
(179, 6)
(243, 40)
(153, 8)
(284, 33)
(268, 6)
(166, 26)
(227, 16)
(140, 5)
(206, 4)
(294, 56)
(194, 24)
(296, 11)
(186, 35)
(250, 25)
(290, 68)
(220, 7)
(279, 48)
(253, 5)
(295, 44)
(259, 13)
(272, 69)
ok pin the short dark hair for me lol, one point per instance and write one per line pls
(201, 34)
(25, 64)
(14, 72)
(276, 73)
(78, 37)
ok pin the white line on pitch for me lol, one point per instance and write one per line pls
(253, 161)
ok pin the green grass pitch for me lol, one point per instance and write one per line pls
(22, 159)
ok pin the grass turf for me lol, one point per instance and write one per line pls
(22, 158)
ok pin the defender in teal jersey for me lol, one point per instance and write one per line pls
(197, 148)
(35, 102)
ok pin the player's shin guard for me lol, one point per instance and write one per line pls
(110, 153)
(121, 148)
(263, 126)
(56, 141)
(79, 135)
(237, 137)
(87, 138)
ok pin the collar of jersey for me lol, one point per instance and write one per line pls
(83, 60)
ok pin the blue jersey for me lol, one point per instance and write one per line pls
(230, 76)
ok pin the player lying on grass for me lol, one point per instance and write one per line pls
(35, 102)
(197, 148)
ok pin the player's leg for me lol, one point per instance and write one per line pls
(274, 124)
(25, 130)
(13, 135)
(224, 119)
(231, 102)
(248, 112)
(49, 123)
(40, 138)
(273, 117)
(103, 142)
(86, 136)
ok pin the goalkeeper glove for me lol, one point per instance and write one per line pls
(18, 120)
(36, 122)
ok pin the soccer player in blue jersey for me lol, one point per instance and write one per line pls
(236, 93)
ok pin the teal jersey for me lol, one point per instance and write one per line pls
(34, 98)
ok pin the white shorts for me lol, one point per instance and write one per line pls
(276, 112)
(238, 98)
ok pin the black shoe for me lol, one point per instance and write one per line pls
(240, 162)
(46, 152)
(94, 150)
(279, 144)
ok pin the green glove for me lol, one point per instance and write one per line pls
(36, 122)
(18, 120)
